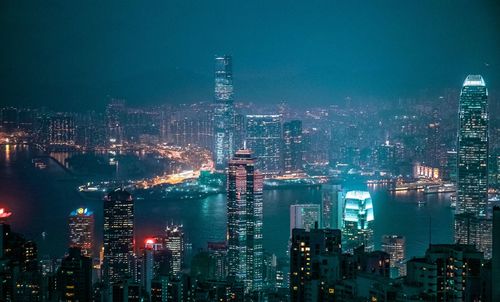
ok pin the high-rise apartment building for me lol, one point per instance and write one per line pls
(244, 220)
(395, 246)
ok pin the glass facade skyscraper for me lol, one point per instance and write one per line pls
(358, 221)
(264, 138)
(472, 225)
(473, 147)
(118, 235)
(244, 220)
(223, 112)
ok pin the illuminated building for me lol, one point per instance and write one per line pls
(395, 246)
(4, 214)
(118, 235)
(292, 146)
(174, 241)
(304, 216)
(495, 259)
(314, 264)
(472, 229)
(223, 112)
(74, 277)
(81, 230)
(332, 206)
(472, 159)
(263, 137)
(423, 171)
(62, 130)
(244, 220)
(115, 112)
(448, 272)
(358, 219)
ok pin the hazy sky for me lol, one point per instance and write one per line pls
(80, 53)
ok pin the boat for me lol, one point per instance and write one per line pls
(440, 188)
(421, 203)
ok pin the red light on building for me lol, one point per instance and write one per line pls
(4, 213)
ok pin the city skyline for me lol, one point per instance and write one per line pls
(239, 152)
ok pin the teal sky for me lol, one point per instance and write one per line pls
(77, 54)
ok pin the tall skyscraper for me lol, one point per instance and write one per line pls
(81, 230)
(472, 159)
(223, 112)
(395, 246)
(358, 221)
(174, 241)
(118, 235)
(263, 137)
(304, 216)
(495, 259)
(292, 146)
(244, 220)
(472, 189)
(332, 206)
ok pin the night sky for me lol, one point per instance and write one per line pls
(69, 55)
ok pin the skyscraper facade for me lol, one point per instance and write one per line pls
(314, 264)
(118, 235)
(304, 216)
(292, 146)
(472, 210)
(174, 241)
(223, 112)
(62, 130)
(472, 189)
(263, 137)
(81, 230)
(395, 246)
(74, 277)
(358, 221)
(244, 220)
(332, 206)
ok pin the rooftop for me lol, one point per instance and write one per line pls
(474, 80)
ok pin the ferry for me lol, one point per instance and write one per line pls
(440, 188)
(453, 201)
(421, 203)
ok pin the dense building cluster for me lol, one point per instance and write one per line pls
(332, 252)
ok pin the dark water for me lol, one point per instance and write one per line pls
(41, 200)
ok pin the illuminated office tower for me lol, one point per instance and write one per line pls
(81, 230)
(174, 241)
(263, 137)
(472, 159)
(358, 220)
(118, 235)
(61, 130)
(472, 153)
(223, 112)
(395, 246)
(292, 146)
(304, 216)
(244, 220)
(332, 206)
